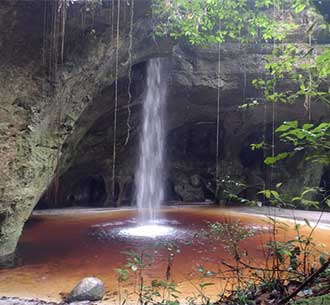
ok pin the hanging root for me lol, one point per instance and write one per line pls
(54, 21)
(62, 8)
(116, 107)
(130, 73)
(217, 157)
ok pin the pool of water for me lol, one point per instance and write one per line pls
(56, 251)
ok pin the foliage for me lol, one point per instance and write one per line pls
(158, 291)
(122, 274)
(307, 71)
(320, 300)
(323, 64)
(285, 260)
(161, 292)
(211, 21)
(295, 253)
(275, 198)
(313, 140)
(233, 231)
(304, 198)
(307, 74)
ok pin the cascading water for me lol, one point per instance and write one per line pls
(150, 172)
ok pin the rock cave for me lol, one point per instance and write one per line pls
(74, 83)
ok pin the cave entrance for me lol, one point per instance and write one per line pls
(86, 192)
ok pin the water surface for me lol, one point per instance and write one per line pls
(58, 250)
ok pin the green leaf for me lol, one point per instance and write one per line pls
(307, 126)
(307, 191)
(267, 193)
(273, 160)
(322, 260)
(275, 194)
(257, 146)
(307, 222)
(310, 203)
(278, 185)
(285, 252)
(203, 285)
(299, 7)
(287, 126)
(327, 202)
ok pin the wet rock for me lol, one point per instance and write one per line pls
(195, 180)
(25, 102)
(88, 289)
(188, 192)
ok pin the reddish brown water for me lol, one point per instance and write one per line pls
(58, 250)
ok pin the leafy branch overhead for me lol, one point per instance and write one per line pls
(212, 21)
(307, 73)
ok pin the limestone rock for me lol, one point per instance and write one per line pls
(88, 289)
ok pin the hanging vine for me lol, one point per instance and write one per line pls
(62, 8)
(217, 163)
(308, 98)
(54, 23)
(273, 110)
(130, 62)
(44, 33)
(116, 105)
(112, 19)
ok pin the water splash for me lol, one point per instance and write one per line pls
(149, 231)
(149, 177)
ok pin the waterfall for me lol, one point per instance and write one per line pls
(150, 172)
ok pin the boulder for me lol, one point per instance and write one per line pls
(88, 289)
(188, 193)
(195, 180)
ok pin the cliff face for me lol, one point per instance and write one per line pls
(39, 113)
(191, 133)
(56, 133)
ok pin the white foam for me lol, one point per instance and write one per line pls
(150, 230)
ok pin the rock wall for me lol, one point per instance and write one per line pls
(191, 133)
